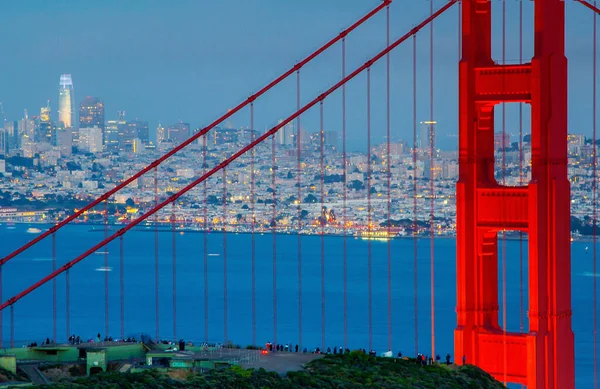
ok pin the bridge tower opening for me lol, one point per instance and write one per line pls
(543, 358)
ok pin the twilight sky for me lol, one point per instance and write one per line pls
(190, 60)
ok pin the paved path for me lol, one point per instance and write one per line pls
(282, 362)
(34, 374)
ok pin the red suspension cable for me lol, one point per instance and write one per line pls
(174, 246)
(415, 220)
(67, 302)
(504, 302)
(432, 186)
(205, 238)
(595, 179)
(369, 220)
(54, 288)
(252, 178)
(345, 217)
(156, 268)
(196, 136)
(274, 232)
(299, 183)
(122, 286)
(323, 221)
(105, 269)
(388, 164)
(521, 181)
(225, 321)
(12, 326)
(227, 161)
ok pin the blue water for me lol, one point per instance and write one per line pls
(33, 314)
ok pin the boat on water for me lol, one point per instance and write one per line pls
(32, 230)
(100, 252)
(381, 235)
(104, 268)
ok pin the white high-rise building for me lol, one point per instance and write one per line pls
(65, 102)
(90, 139)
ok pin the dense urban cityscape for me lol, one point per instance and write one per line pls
(50, 167)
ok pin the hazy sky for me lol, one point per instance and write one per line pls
(191, 60)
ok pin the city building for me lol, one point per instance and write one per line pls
(45, 113)
(90, 139)
(178, 133)
(65, 102)
(111, 134)
(501, 140)
(91, 113)
(161, 134)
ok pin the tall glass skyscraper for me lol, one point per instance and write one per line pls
(65, 101)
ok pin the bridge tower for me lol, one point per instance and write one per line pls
(542, 358)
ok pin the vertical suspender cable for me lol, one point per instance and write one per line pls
(322, 222)
(345, 217)
(274, 231)
(594, 227)
(299, 183)
(225, 334)
(12, 326)
(156, 270)
(106, 269)
(388, 164)
(68, 302)
(415, 220)
(521, 304)
(122, 273)
(252, 227)
(54, 287)
(205, 238)
(369, 221)
(431, 185)
(174, 246)
(503, 144)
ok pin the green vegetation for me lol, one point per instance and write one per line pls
(353, 371)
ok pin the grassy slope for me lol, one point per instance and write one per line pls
(355, 371)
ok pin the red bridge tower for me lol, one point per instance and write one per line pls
(542, 358)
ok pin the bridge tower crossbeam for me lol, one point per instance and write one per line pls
(542, 358)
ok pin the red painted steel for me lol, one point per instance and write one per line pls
(196, 136)
(544, 357)
(11, 301)
(590, 6)
(225, 319)
(274, 232)
(253, 227)
(122, 286)
(54, 305)
(105, 268)
(323, 221)
(388, 164)
(174, 263)
(431, 189)
(299, 183)
(345, 217)
(369, 215)
(594, 199)
(68, 303)
(415, 221)
(12, 326)
(156, 267)
(205, 239)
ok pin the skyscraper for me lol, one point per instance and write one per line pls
(91, 113)
(65, 102)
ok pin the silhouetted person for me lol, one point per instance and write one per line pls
(447, 359)
(296, 348)
(464, 359)
(328, 350)
(399, 354)
(335, 351)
